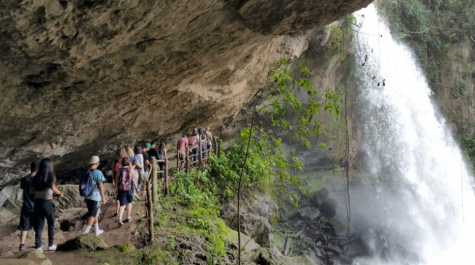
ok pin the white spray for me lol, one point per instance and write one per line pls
(425, 200)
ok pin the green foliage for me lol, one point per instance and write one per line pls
(340, 34)
(468, 145)
(297, 117)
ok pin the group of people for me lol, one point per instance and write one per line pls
(205, 137)
(39, 187)
(130, 169)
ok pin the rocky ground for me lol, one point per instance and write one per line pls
(175, 242)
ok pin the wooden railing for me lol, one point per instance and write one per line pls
(196, 160)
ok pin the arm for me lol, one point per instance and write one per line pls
(101, 190)
(165, 151)
(56, 191)
(133, 178)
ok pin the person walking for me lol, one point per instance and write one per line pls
(116, 165)
(193, 144)
(203, 141)
(96, 198)
(44, 186)
(139, 171)
(27, 210)
(181, 147)
(209, 137)
(153, 152)
(146, 165)
(126, 189)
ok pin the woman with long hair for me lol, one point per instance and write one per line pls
(44, 186)
(120, 153)
(126, 189)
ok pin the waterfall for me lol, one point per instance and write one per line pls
(422, 207)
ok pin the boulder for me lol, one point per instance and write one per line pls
(12, 194)
(255, 216)
(30, 257)
(89, 242)
(247, 243)
(71, 198)
(6, 215)
(301, 260)
(309, 213)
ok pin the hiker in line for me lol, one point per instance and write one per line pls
(153, 152)
(162, 155)
(27, 210)
(126, 189)
(116, 165)
(146, 165)
(139, 171)
(202, 140)
(92, 189)
(193, 143)
(181, 148)
(209, 137)
(44, 186)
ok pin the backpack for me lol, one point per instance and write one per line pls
(161, 155)
(87, 185)
(125, 179)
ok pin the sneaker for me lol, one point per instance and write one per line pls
(128, 220)
(115, 215)
(22, 247)
(52, 248)
(43, 244)
(39, 249)
(99, 232)
(121, 223)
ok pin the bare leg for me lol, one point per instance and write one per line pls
(117, 206)
(129, 210)
(23, 237)
(121, 212)
(90, 221)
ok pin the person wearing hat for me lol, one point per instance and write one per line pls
(28, 208)
(96, 199)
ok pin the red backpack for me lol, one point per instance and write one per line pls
(125, 179)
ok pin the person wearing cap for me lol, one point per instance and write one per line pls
(28, 208)
(94, 201)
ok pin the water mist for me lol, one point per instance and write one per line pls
(423, 204)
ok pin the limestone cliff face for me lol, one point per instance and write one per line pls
(80, 77)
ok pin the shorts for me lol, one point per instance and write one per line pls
(26, 220)
(125, 197)
(93, 208)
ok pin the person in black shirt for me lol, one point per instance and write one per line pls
(153, 152)
(28, 208)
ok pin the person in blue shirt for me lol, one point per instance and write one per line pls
(96, 199)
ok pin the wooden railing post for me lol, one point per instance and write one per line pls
(154, 180)
(200, 153)
(215, 144)
(166, 176)
(150, 213)
(187, 161)
(219, 147)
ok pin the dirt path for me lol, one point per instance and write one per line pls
(113, 235)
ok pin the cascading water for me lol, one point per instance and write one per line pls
(423, 209)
